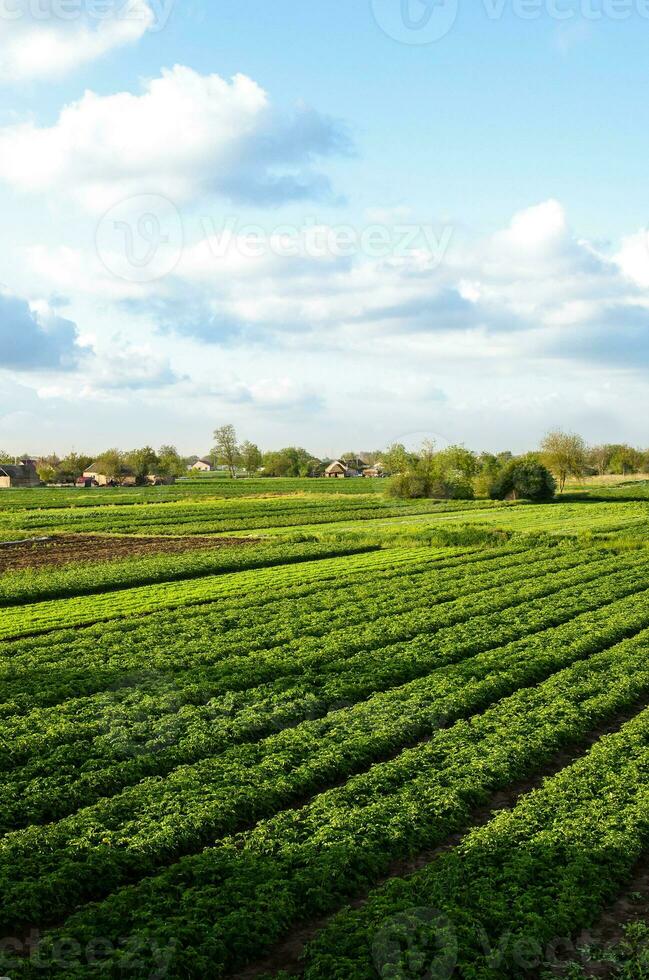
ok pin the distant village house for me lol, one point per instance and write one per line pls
(18, 474)
(202, 466)
(337, 471)
(342, 469)
(93, 477)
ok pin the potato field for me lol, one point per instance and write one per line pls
(296, 728)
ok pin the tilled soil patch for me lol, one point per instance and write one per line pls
(65, 549)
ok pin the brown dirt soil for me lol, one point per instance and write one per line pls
(65, 549)
(287, 954)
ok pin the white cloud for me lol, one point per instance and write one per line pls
(532, 290)
(531, 298)
(53, 40)
(116, 371)
(270, 394)
(34, 337)
(633, 258)
(186, 135)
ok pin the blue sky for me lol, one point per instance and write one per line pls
(501, 167)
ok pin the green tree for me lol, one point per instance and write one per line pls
(71, 467)
(46, 472)
(292, 461)
(251, 457)
(111, 464)
(142, 462)
(564, 454)
(433, 474)
(625, 459)
(226, 448)
(524, 479)
(599, 458)
(457, 459)
(489, 468)
(314, 467)
(170, 462)
(396, 458)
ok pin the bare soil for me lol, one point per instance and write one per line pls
(66, 549)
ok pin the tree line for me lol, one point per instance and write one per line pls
(453, 472)
(115, 464)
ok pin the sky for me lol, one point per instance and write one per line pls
(336, 225)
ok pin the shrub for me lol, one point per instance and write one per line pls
(524, 478)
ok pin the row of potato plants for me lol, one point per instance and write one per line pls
(228, 904)
(184, 489)
(234, 629)
(263, 623)
(137, 639)
(40, 677)
(45, 870)
(46, 780)
(508, 899)
(218, 631)
(227, 629)
(572, 519)
(78, 611)
(30, 585)
(220, 516)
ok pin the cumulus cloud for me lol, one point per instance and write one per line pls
(185, 136)
(116, 372)
(270, 394)
(533, 290)
(51, 41)
(35, 337)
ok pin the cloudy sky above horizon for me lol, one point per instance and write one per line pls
(337, 225)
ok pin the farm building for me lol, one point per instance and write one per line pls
(375, 471)
(19, 474)
(339, 471)
(202, 466)
(93, 477)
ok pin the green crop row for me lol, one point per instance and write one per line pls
(88, 578)
(221, 516)
(183, 489)
(55, 776)
(506, 899)
(78, 611)
(40, 677)
(231, 631)
(180, 639)
(227, 905)
(45, 870)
